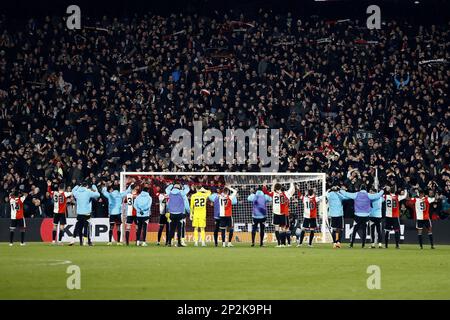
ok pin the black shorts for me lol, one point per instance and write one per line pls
(115, 218)
(361, 220)
(259, 220)
(226, 222)
(280, 220)
(309, 223)
(176, 217)
(375, 220)
(18, 223)
(337, 222)
(423, 224)
(131, 219)
(163, 219)
(59, 218)
(142, 219)
(392, 224)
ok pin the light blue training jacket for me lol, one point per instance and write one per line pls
(335, 208)
(375, 212)
(84, 198)
(143, 204)
(115, 199)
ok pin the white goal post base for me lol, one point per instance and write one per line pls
(245, 183)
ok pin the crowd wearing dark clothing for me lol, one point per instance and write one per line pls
(87, 104)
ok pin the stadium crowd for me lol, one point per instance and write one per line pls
(87, 104)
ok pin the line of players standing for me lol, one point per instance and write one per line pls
(174, 207)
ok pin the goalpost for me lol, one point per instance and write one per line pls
(245, 183)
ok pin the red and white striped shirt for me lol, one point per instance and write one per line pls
(422, 207)
(310, 204)
(226, 206)
(16, 207)
(163, 200)
(59, 200)
(131, 211)
(280, 200)
(393, 204)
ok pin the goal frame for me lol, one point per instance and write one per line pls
(320, 175)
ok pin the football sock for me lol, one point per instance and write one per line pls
(195, 234)
(111, 232)
(61, 234)
(118, 234)
(386, 238)
(203, 234)
(288, 237)
(430, 236)
(127, 237)
(334, 235)
(283, 237)
(302, 235)
(54, 235)
(277, 235)
(230, 235)
(420, 240)
(22, 236)
(223, 235)
(397, 238)
(216, 234)
(160, 231)
(11, 236)
(311, 237)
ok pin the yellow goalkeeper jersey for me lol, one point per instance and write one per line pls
(198, 203)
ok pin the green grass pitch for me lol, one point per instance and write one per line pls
(38, 271)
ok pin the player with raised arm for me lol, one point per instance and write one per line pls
(59, 209)
(131, 212)
(84, 196)
(216, 225)
(280, 208)
(362, 211)
(422, 215)
(310, 215)
(115, 199)
(178, 204)
(198, 214)
(164, 216)
(336, 214)
(375, 219)
(392, 221)
(259, 214)
(142, 204)
(223, 203)
(17, 216)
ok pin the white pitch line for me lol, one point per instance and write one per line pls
(58, 262)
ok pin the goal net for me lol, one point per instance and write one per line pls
(245, 183)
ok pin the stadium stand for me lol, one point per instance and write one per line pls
(87, 104)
